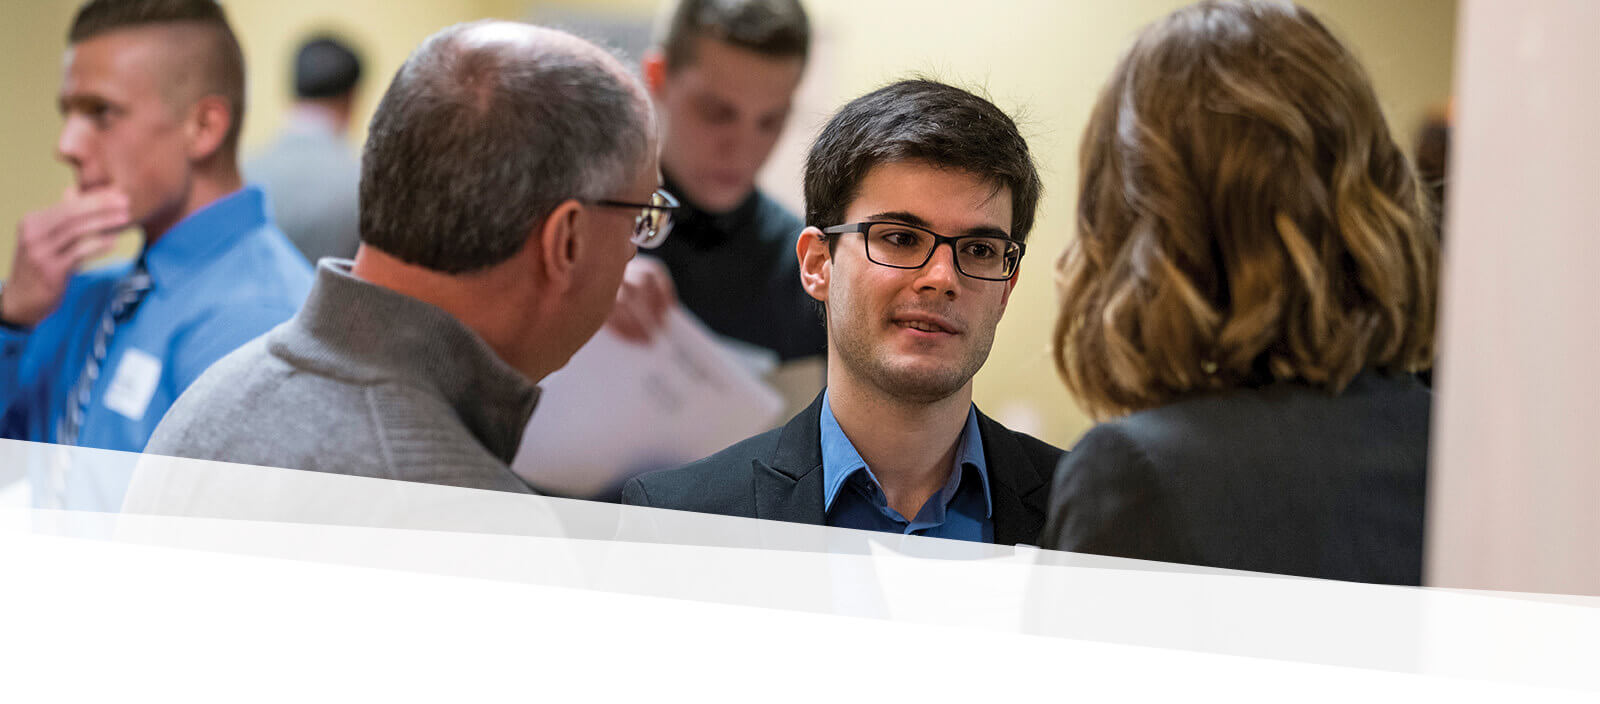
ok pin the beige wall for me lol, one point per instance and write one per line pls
(34, 32)
(1042, 59)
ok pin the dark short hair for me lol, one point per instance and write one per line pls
(472, 146)
(919, 120)
(224, 67)
(776, 28)
(325, 67)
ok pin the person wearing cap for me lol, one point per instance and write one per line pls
(310, 172)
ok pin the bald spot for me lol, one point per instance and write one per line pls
(484, 49)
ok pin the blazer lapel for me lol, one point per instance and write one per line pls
(1018, 489)
(788, 485)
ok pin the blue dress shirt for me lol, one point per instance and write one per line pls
(219, 278)
(853, 498)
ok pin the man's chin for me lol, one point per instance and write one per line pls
(922, 383)
(722, 199)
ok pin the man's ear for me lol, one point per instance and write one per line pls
(1011, 283)
(653, 67)
(210, 118)
(559, 244)
(816, 263)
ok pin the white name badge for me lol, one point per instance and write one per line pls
(134, 383)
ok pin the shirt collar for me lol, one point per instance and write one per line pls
(840, 460)
(311, 119)
(190, 245)
(970, 453)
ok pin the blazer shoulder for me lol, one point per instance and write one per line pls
(1287, 419)
(721, 483)
(1041, 453)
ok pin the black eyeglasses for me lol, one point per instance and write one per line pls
(654, 221)
(901, 246)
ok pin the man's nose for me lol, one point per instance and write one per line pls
(939, 274)
(747, 140)
(72, 146)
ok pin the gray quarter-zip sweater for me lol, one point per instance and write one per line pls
(362, 381)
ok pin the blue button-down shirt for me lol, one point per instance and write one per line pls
(219, 278)
(853, 498)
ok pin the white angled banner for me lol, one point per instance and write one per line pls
(223, 581)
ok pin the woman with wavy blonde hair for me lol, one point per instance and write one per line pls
(1253, 281)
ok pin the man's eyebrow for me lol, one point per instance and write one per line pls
(712, 100)
(988, 231)
(899, 216)
(80, 101)
(912, 219)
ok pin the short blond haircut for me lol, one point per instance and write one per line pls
(1244, 216)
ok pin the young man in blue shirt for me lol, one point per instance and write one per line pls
(919, 198)
(152, 96)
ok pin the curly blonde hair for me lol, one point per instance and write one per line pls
(1244, 216)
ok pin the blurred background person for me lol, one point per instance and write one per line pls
(310, 172)
(1252, 284)
(723, 78)
(151, 97)
(418, 361)
(722, 75)
(1433, 161)
(1433, 170)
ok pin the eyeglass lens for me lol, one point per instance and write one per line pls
(652, 224)
(899, 246)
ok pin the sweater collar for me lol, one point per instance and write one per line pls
(365, 333)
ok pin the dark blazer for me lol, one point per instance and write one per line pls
(778, 475)
(1283, 479)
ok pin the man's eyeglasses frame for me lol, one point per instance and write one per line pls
(654, 221)
(938, 239)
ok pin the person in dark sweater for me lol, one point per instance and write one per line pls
(1252, 285)
(723, 77)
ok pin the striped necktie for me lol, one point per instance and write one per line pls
(129, 291)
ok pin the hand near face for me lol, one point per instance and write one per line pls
(52, 244)
(643, 299)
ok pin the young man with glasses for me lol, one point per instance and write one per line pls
(920, 198)
(509, 175)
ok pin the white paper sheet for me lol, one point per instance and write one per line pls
(619, 409)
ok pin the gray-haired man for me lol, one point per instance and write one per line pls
(509, 173)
